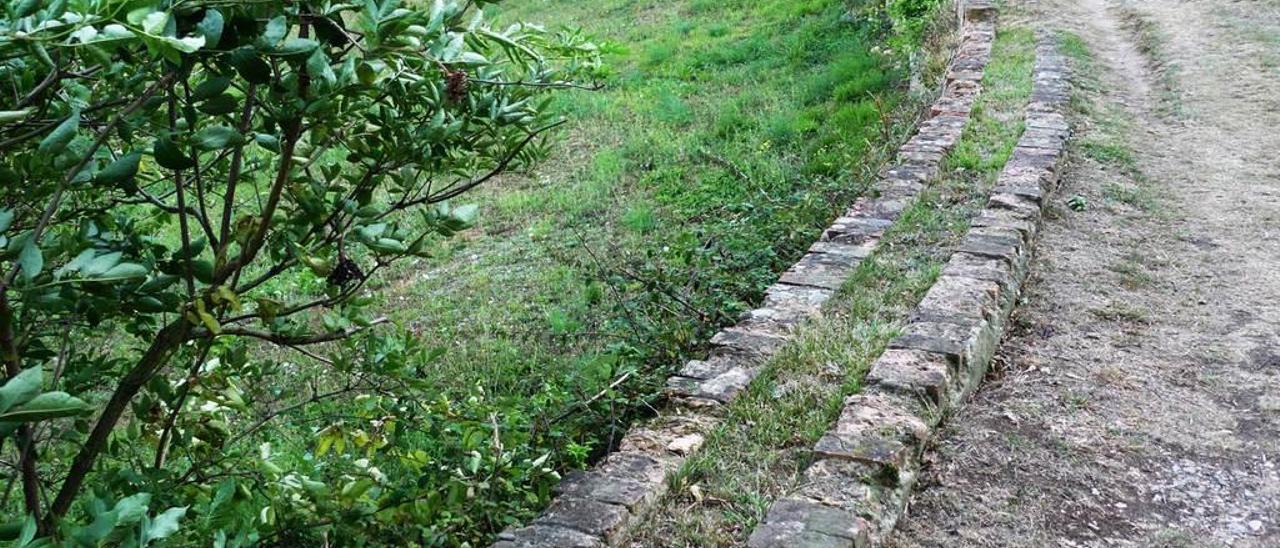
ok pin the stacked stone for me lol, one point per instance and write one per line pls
(867, 463)
(593, 508)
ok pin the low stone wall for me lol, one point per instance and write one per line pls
(593, 508)
(858, 488)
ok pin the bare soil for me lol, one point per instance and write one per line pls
(1136, 400)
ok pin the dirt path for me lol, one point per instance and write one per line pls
(1137, 400)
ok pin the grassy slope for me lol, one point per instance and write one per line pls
(757, 455)
(710, 134)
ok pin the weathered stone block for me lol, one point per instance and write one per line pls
(1033, 157)
(799, 522)
(672, 434)
(950, 340)
(859, 489)
(877, 429)
(807, 300)
(926, 159)
(1023, 183)
(819, 270)
(981, 267)
(887, 208)
(849, 253)
(956, 298)
(750, 342)
(598, 519)
(1007, 219)
(547, 536)
(855, 228)
(954, 75)
(1028, 208)
(899, 189)
(1002, 249)
(722, 388)
(915, 372)
(793, 535)
(629, 492)
(708, 368)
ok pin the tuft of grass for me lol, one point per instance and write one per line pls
(763, 445)
(1122, 312)
(1135, 271)
(1134, 195)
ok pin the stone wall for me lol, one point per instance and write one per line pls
(866, 464)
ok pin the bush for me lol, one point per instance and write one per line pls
(185, 182)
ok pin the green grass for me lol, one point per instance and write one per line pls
(762, 446)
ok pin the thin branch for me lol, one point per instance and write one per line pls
(285, 410)
(501, 167)
(550, 85)
(290, 340)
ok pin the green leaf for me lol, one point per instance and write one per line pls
(56, 141)
(211, 27)
(155, 22)
(222, 104)
(100, 264)
(275, 31)
(319, 69)
(21, 388)
(250, 66)
(124, 271)
(6, 219)
(132, 508)
(120, 171)
(294, 46)
(211, 88)
(26, 7)
(217, 137)
(202, 270)
(188, 44)
(267, 141)
(31, 259)
(168, 155)
(49, 405)
(467, 213)
(29, 531)
(165, 524)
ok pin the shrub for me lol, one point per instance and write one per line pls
(187, 181)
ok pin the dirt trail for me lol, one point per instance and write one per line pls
(1136, 402)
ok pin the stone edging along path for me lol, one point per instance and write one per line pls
(593, 508)
(866, 464)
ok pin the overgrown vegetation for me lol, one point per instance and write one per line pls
(291, 336)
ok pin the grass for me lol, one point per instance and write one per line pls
(1135, 271)
(762, 446)
(640, 194)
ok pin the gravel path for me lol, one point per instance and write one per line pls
(1136, 401)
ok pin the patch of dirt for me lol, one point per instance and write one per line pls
(1139, 414)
